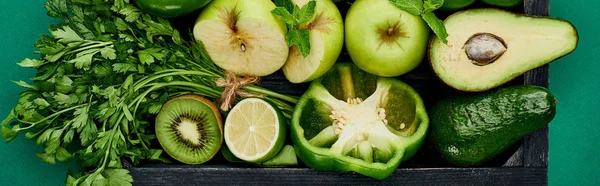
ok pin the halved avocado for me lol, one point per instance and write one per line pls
(489, 47)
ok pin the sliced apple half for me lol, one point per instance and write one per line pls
(242, 36)
(326, 40)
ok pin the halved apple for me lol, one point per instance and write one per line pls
(326, 40)
(242, 36)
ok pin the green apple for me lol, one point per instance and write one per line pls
(326, 40)
(385, 40)
(242, 36)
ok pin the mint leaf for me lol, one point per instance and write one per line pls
(414, 7)
(300, 38)
(436, 25)
(295, 16)
(307, 12)
(431, 5)
(287, 4)
(304, 42)
(292, 38)
(287, 17)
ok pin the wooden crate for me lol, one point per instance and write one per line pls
(526, 163)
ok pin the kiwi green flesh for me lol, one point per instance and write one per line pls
(191, 112)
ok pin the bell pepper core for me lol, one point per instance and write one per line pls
(349, 120)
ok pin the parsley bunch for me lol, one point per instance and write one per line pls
(103, 73)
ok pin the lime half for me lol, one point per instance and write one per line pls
(255, 130)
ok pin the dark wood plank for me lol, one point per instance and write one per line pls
(537, 7)
(535, 149)
(516, 160)
(225, 175)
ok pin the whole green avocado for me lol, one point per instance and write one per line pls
(469, 130)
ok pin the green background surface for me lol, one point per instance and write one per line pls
(575, 81)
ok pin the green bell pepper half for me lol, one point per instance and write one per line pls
(170, 8)
(349, 120)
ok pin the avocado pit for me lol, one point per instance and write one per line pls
(484, 48)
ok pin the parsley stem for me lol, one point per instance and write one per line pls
(138, 100)
(109, 144)
(257, 89)
(89, 47)
(32, 124)
(142, 84)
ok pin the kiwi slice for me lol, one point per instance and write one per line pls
(190, 129)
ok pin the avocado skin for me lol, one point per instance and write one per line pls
(469, 130)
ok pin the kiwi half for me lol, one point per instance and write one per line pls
(190, 129)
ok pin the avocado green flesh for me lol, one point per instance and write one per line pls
(531, 42)
(469, 130)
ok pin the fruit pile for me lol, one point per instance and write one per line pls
(129, 86)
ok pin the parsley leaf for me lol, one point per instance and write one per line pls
(131, 13)
(108, 53)
(117, 177)
(147, 56)
(84, 59)
(48, 158)
(57, 9)
(66, 35)
(9, 134)
(31, 63)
